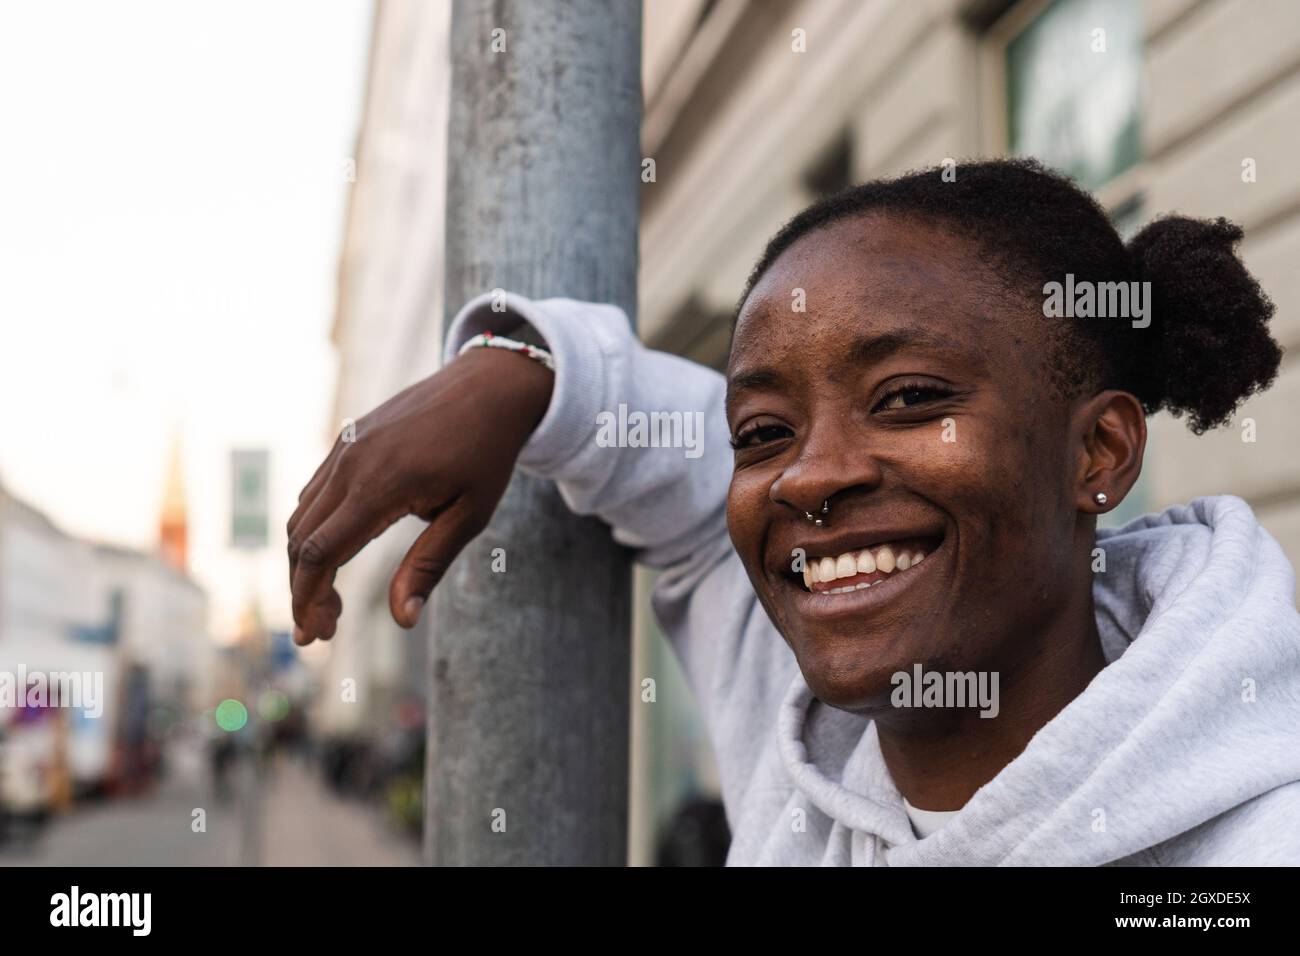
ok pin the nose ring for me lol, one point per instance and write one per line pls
(820, 522)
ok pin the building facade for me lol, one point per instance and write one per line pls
(128, 619)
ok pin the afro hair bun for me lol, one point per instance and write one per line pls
(1211, 348)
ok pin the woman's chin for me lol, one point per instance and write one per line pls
(855, 686)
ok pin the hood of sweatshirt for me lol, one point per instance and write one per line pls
(1195, 713)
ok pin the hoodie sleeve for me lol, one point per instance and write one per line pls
(666, 502)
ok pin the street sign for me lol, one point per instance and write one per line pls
(249, 479)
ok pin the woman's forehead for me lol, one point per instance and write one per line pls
(870, 261)
(893, 301)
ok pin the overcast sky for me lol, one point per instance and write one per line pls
(172, 188)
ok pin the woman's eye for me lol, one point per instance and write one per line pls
(759, 435)
(910, 396)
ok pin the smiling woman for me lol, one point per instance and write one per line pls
(906, 481)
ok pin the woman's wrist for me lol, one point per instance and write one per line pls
(515, 381)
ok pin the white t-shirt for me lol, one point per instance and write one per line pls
(925, 822)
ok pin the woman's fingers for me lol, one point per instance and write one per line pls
(327, 609)
(312, 489)
(428, 559)
(316, 556)
(311, 514)
(308, 500)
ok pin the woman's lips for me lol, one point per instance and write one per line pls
(863, 591)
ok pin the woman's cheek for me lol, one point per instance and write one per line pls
(1009, 487)
(957, 460)
(983, 476)
(745, 498)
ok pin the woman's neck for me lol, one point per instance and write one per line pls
(938, 758)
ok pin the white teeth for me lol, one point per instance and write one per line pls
(885, 559)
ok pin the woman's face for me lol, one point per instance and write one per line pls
(917, 400)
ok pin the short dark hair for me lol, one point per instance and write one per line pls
(1207, 348)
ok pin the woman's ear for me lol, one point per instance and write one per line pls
(1113, 429)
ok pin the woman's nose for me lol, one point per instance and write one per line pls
(829, 461)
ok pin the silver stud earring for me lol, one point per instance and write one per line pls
(1100, 498)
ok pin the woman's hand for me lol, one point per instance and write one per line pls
(442, 449)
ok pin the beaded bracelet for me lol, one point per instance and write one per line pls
(488, 340)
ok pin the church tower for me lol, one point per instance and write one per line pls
(172, 527)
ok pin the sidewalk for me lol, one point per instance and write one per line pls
(291, 819)
(306, 825)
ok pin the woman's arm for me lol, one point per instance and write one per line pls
(444, 449)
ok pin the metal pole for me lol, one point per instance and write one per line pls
(528, 707)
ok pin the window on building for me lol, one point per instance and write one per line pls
(1073, 93)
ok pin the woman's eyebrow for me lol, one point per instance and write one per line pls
(871, 349)
(764, 378)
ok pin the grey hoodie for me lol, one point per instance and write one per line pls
(1183, 750)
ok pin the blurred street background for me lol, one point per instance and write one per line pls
(221, 236)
